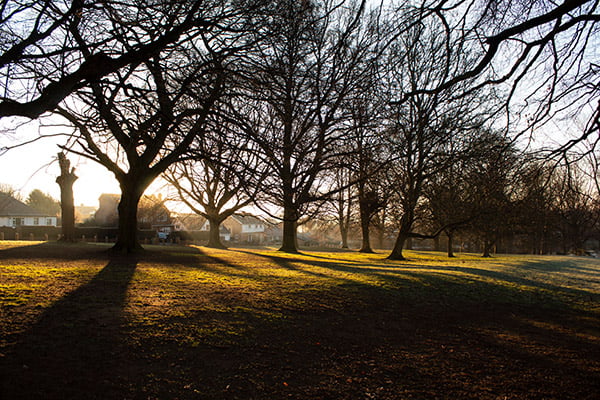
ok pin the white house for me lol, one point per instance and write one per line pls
(246, 227)
(15, 213)
(195, 222)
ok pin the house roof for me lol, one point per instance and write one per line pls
(247, 219)
(112, 196)
(11, 207)
(192, 222)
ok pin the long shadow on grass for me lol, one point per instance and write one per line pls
(427, 338)
(479, 290)
(399, 274)
(573, 267)
(76, 345)
(332, 264)
(245, 272)
(235, 270)
(498, 276)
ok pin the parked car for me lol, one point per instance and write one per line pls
(162, 235)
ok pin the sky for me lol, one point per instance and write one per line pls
(35, 166)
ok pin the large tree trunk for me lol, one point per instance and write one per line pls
(365, 222)
(406, 223)
(450, 236)
(396, 253)
(344, 234)
(290, 241)
(487, 247)
(127, 241)
(214, 238)
(67, 205)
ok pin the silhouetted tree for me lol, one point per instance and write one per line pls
(43, 202)
(143, 118)
(369, 154)
(535, 202)
(575, 208)
(541, 53)
(65, 180)
(222, 175)
(449, 200)
(51, 49)
(342, 202)
(10, 191)
(428, 132)
(494, 179)
(307, 67)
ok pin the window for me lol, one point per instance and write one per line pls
(48, 221)
(36, 221)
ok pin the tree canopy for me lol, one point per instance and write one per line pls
(43, 202)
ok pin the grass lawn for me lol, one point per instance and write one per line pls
(194, 323)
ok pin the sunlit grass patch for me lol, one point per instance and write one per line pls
(241, 287)
(8, 244)
(177, 314)
(17, 294)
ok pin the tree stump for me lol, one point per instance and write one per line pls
(67, 204)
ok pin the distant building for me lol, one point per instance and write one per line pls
(246, 227)
(83, 213)
(14, 213)
(273, 232)
(107, 213)
(152, 212)
(197, 223)
(188, 222)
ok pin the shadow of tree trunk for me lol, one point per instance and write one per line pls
(76, 345)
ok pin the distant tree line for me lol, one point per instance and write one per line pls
(515, 203)
(411, 117)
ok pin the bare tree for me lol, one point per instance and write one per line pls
(221, 175)
(343, 201)
(576, 209)
(369, 154)
(535, 201)
(42, 59)
(494, 178)
(306, 70)
(449, 200)
(428, 132)
(141, 119)
(542, 54)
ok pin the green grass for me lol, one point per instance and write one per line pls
(274, 276)
(203, 315)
